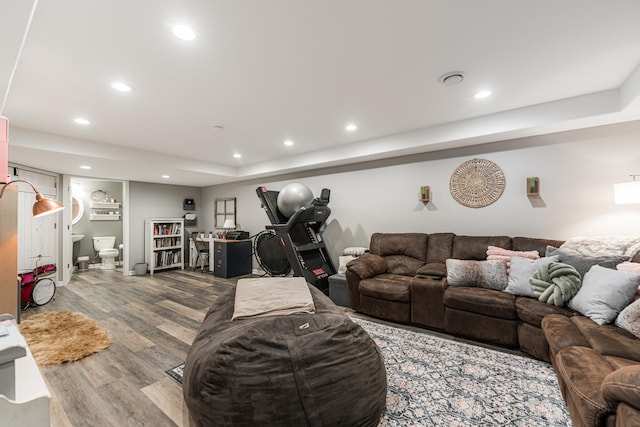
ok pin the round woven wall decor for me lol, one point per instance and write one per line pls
(477, 183)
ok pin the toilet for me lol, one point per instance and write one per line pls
(105, 247)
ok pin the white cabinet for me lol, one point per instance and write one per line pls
(104, 211)
(24, 396)
(164, 243)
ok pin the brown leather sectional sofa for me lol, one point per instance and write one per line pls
(403, 278)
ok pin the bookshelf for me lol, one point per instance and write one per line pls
(163, 244)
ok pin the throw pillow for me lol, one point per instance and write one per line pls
(583, 263)
(629, 318)
(485, 274)
(521, 271)
(604, 293)
(555, 283)
(344, 260)
(632, 267)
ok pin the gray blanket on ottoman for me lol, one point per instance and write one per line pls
(311, 369)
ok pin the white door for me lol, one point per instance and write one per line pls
(36, 236)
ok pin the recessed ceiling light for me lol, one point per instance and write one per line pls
(81, 121)
(237, 156)
(351, 127)
(121, 87)
(166, 176)
(85, 167)
(482, 94)
(288, 143)
(184, 32)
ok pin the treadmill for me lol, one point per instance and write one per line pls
(301, 237)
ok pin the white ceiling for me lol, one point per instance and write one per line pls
(271, 70)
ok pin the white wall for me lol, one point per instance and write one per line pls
(577, 170)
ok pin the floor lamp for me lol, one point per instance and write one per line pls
(43, 205)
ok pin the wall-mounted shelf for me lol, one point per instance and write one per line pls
(104, 205)
(104, 217)
(104, 211)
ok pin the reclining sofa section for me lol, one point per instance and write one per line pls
(403, 279)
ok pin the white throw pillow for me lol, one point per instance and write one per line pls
(521, 271)
(604, 293)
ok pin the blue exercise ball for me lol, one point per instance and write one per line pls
(293, 197)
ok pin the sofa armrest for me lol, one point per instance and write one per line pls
(622, 385)
(434, 269)
(366, 266)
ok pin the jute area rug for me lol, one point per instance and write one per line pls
(63, 336)
(433, 381)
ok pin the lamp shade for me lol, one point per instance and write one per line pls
(627, 192)
(44, 206)
(229, 224)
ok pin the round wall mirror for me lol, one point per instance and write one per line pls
(77, 209)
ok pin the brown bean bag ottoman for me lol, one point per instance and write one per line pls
(317, 369)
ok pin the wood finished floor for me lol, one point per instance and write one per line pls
(152, 321)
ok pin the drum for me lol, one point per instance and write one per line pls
(45, 270)
(27, 278)
(38, 293)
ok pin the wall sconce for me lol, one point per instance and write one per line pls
(533, 186)
(425, 193)
(627, 192)
(42, 205)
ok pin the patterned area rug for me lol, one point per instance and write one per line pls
(437, 382)
(434, 381)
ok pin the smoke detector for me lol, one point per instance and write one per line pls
(451, 78)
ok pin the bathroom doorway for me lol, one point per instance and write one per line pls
(99, 208)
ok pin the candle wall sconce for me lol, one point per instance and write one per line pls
(533, 186)
(425, 193)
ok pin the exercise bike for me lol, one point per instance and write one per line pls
(35, 288)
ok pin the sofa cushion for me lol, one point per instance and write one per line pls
(623, 385)
(581, 371)
(562, 333)
(475, 247)
(608, 340)
(604, 293)
(440, 247)
(629, 318)
(390, 287)
(621, 362)
(404, 265)
(367, 266)
(532, 311)
(481, 301)
(412, 245)
(583, 263)
(522, 269)
(435, 269)
(484, 274)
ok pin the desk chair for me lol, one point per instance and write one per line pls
(202, 249)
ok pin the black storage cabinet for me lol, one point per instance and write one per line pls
(232, 258)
